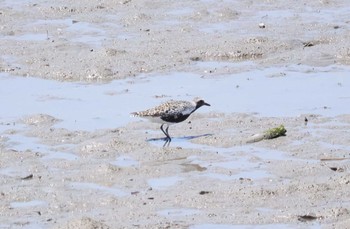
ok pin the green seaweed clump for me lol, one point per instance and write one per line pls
(275, 132)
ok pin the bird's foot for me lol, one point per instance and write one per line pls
(167, 142)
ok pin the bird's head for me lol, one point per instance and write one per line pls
(200, 102)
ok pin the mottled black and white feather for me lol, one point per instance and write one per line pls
(171, 112)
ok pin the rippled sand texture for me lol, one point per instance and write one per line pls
(72, 157)
(104, 40)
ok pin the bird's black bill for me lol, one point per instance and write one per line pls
(207, 104)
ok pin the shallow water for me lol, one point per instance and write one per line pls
(80, 106)
(125, 161)
(20, 142)
(27, 204)
(243, 161)
(80, 32)
(164, 182)
(251, 226)
(288, 91)
(285, 91)
(178, 212)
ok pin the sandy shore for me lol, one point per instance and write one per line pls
(209, 177)
(103, 40)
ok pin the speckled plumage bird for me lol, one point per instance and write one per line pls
(171, 112)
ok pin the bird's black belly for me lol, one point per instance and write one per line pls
(175, 118)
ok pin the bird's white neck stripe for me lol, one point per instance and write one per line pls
(188, 111)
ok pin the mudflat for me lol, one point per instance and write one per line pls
(71, 72)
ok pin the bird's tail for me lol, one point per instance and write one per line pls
(134, 114)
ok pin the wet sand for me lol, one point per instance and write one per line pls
(71, 157)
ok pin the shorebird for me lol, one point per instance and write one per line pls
(171, 112)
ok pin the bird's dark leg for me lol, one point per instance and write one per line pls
(166, 143)
(168, 138)
(165, 132)
(161, 128)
